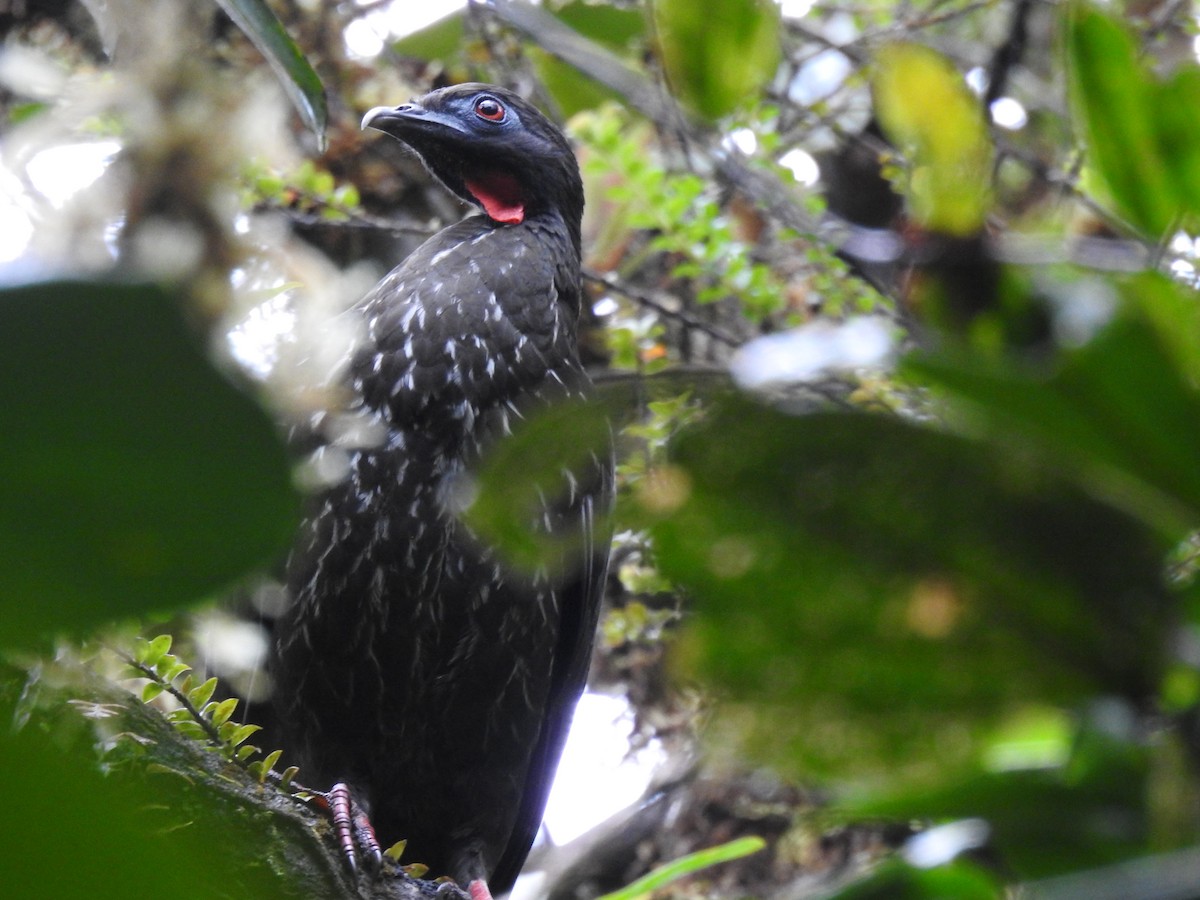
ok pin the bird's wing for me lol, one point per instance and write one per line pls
(580, 602)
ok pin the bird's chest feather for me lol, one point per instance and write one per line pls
(460, 341)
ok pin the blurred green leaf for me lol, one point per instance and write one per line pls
(687, 865)
(1142, 138)
(1173, 311)
(909, 587)
(928, 111)
(300, 81)
(895, 880)
(572, 91)
(1179, 134)
(441, 40)
(135, 477)
(717, 54)
(1116, 410)
(1088, 812)
(612, 26)
(60, 804)
(519, 473)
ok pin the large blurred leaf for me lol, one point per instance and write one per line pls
(522, 472)
(1117, 411)
(876, 593)
(441, 40)
(1088, 812)
(299, 80)
(895, 880)
(926, 109)
(717, 53)
(1141, 135)
(1174, 312)
(68, 832)
(612, 26)
(135, 477)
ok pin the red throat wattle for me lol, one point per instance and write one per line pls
(500, 195)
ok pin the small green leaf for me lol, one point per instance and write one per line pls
(299, 80)
(396, 851)
(150, 652)
(416, 870)
(223, 710)
(268, 763)
(285, 779)
(241, 733)
(191, 729)
(150, 691)
(170, 672)
(200, 695)
(246, 751)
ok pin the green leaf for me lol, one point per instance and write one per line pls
(169, 673)
(716, 54)
(268, 763)
(200, 695)
(687, 865)
(136, 477)
(149, 653)
(873, 596)
(926, 108)
(441, 40)
(518, 472)
(1173, 312)
(223, 711)
(300, 81)
(1046, 821)
(191, 729)
(1179, 135)
(614, 27)
(150, 691)
(1116, 99)
(1116, 411)
(101, 820)
(242, 733)
(895, 880)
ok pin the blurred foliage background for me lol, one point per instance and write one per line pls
(893, 303)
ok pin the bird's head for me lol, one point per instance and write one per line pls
(491, 148)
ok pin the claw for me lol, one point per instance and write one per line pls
(353, 829)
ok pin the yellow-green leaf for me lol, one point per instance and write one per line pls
(201, 695)
(223, 710)
(927, 110)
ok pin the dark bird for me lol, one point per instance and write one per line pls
(431, 684)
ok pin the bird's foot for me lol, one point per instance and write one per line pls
(478, 890)
(353, 829)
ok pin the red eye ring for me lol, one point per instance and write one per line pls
(490, 108)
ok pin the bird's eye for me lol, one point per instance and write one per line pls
(489, 108)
